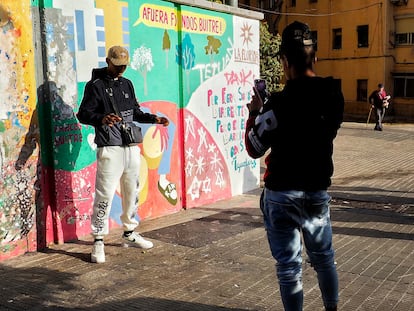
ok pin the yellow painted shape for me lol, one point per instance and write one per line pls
(18, 12)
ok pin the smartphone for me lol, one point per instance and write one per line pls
(260, 85)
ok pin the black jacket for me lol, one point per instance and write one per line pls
(375, 99)
(299, 124)
(96, 104)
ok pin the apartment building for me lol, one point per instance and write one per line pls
(361, 43)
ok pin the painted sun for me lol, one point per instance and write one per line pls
(246, 34)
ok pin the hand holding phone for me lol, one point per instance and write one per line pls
(256, 103)
(260, 85)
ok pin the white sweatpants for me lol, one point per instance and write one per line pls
(116, 165)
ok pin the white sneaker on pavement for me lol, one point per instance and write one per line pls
(134, 239)
(98, 252)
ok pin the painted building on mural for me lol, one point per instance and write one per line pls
(194, 65)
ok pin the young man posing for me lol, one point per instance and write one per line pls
(116, 161)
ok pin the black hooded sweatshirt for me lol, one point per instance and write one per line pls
(299, 125)
(96, 105)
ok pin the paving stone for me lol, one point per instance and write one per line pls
(216, 257)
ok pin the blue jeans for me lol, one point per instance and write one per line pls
(380, 117)
(286, 215)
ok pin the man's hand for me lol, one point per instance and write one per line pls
(256, 103)
(111, 119)
(162, 120)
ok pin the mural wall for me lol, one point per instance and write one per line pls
(217, 84)
(192, 65)
(19, 135)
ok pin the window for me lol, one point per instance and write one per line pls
(409, 88)
(314, 35)
(404, 34)
(338, 83)
(262, 4)
(362, 90)
(404, 38)
(404, 86)
(337, 39)
(362, 36)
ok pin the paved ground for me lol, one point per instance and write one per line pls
(216, 257)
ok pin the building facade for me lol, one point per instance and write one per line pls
(360, 43)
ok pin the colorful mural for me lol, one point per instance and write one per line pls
(217, 58)
(194, 66)
(224, 72)
(17, 103)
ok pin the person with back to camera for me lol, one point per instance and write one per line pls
(379, 101)
(299, 125)
(109, 101)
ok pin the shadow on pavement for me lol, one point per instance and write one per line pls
(358, 215)
(32, 288)
(353, 216)
(206, 230)
(146, 304)
(372, 233)
(82, 256)
(42, 289)
(371, 195)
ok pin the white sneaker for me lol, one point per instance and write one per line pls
(134, 239)
(98, 252)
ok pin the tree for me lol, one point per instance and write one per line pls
(166, 45)
(185, 57)
(212, 47)
(142, 62)
(270, 67)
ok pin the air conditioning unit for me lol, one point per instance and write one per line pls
(399, 2)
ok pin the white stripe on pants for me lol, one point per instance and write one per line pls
(116, 164)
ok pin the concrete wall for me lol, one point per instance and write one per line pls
(193, 62)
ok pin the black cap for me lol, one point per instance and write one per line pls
(296, 36)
